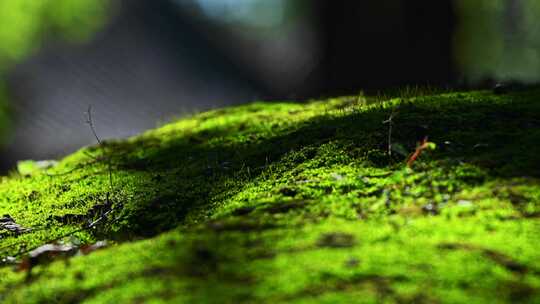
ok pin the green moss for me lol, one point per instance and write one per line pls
(290, 202)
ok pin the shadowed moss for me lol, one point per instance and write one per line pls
(290, 202)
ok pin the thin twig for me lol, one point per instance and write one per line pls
(90, 123)
(390, 122)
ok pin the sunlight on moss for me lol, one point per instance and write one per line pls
(291, 202)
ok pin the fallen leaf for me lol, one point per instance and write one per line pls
(9, 224)
(86, 249)
(46, 254)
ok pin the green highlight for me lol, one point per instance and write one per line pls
(296, 202)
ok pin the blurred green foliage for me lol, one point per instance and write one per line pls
(498, 39)
(26, 24)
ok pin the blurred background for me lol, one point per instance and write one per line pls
(141, 62)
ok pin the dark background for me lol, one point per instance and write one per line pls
(153, 61)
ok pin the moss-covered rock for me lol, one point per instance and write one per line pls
(291, 202)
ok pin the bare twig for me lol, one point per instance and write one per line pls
(90, 123)
(390, 122)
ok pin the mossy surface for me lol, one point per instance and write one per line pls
(290, 202)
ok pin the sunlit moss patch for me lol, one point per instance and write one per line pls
(294, 202)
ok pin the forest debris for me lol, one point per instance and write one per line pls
(50, 250)
(47, 253)
(423, 145)
(86, 249)
(9, 224)
(9, 260)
